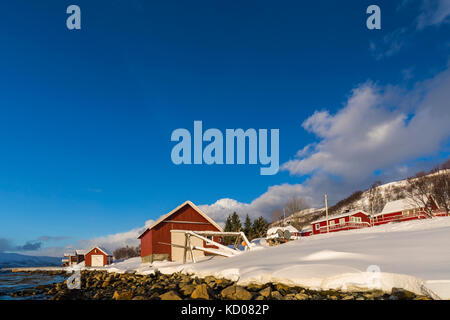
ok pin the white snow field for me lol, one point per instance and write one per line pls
(412, 255)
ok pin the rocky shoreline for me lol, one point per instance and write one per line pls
(101, 285)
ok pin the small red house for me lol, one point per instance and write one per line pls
(97, 257)
(356, 219)
(156, 240)
(306, 232)
(405, 210)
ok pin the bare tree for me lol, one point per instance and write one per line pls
(276, 215)
(295, 205)
(418, 190)
(441, 186)
(375, 198)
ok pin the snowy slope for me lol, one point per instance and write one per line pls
(10, 260)
(412, 255)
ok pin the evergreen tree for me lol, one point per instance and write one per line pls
(260, 227)
(248, 227)
(236, 225)
(228, 226)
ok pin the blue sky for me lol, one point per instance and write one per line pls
(86, 115)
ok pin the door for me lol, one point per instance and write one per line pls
(97, 260)
(177, 252)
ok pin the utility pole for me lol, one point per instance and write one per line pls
(326, 211)
(371, 216)
(284, 217)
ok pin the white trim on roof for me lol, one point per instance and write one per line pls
(193, 206)
(101, 249)
(345, 214)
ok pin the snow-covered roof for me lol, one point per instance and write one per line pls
(405, 204)
(80, 252)
(345, 214)
(398, 205)
(307, 229)
(193, 206)
(105, 251)
(274, 230)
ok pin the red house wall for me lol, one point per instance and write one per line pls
(151, 240)
(323, 224)
(87, 257)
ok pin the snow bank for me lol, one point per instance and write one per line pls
(413, 255)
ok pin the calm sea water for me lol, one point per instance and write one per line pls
(12, 282)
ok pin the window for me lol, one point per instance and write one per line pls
(332, 223)
(317, 226)
(342, 221)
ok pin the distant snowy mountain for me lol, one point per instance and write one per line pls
(12, 260)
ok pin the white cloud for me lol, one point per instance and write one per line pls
(116, 240)
(275, 197)
(374, 131)
(110, 242)
(378, 129)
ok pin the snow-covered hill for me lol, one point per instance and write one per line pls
(382, 194)
(11, 260)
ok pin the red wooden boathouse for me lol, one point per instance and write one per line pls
(157, 240)
(97, 257)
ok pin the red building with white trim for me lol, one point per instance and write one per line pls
(356, 219)
(405, 210)
(306, 231)
(97, 257)
(156, 240)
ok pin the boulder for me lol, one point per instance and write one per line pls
(124, 295)
(301, 296)
(235, 293)
(255, 287)
(402, 294)
(276, 295)
(266, 292)
(170, 295)
(200, 292)
(282, 288)
(186, 289)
